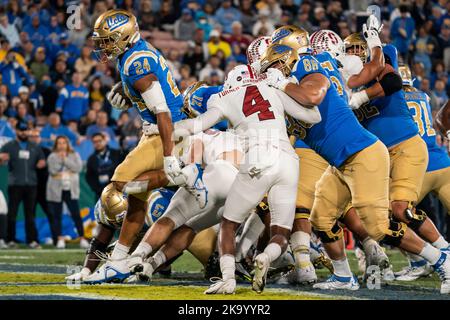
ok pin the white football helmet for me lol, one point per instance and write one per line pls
(255, 50)
(329, 41)
(240, 75)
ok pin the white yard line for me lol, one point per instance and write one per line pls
(20, 251)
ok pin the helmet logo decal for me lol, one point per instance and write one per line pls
(281, 49)
(116, 21)
(283, 33)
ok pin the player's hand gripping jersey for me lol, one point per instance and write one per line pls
(139, 61)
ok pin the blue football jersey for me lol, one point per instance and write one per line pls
(199, 100)
(330, 64)
(388, 117)
(418, 104)
(339, 135)
(139, 61)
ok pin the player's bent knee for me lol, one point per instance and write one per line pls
(394, 233)
(336, 233)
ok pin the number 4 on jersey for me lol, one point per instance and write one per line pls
(254, 102)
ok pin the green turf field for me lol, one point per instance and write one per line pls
(31, 274)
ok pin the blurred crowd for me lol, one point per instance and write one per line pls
(51, 84)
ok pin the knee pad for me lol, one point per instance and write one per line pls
(336, 233)
(416, 218)
(394, 234)
(302, 213)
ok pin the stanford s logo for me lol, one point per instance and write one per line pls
(116, 21)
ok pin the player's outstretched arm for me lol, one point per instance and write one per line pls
(297, 111)
(310, 91)
(205, 121)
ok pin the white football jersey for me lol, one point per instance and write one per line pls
(215, 143)
(255, 111)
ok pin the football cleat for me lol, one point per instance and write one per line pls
(115, 271)
(262, 264)
(243, 270)
(442, 268)
(135, 263)
(194, 183)
(416, 270)
(305, 274)
(221, 286)
(338, 283)
(212, 268)
(388, 274)
(145, 270)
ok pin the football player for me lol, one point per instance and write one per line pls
(257, 113)
(437, 176)
(220, 154)
(388, 117)
(328, 48)
(148, 85)
(359, 168)
(109, 212)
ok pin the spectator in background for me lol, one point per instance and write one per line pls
(42, 177)
(440, 92)
(248, 16)
(226, 15)
(202, 22)
(36, 31)
(272, 8)
(23, 158)
(424, 45)
(63, 186)
(6, 131)
(166, 17)
(101, 164)
(13, 74)
(73, 100)
(303, 22)
(87, 121)
(402, 31)
(212, 66)
(85, 63)
(97, 92)
(49, 94)
(215, 44)
(71, 51)
(263, 26)
(128, 129)
(101, 126)
(39, 67)
(3, 221)
(443, 40)
(60, 71)
(24, 96)
(185, 26)
(147, 17)
(24, 116)
(237, 36)
(9, 30)
(55, 29)
(53, 129)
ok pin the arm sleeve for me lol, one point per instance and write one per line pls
(61, 98)
(193, 126)
(297, 111)
(73, 162)
(53, 164)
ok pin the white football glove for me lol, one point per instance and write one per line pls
(173, 171)
(358, 99)
(372, 37)
(374, 24)
(79, 276)
(276, 79)
(115, 98)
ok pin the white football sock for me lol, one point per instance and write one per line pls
(300, 244)
(227, 266)
(120, 252)
(273, 251)
(440, 243)
(342, 268)
(159, 258)
(143, 249)
(430, 253)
